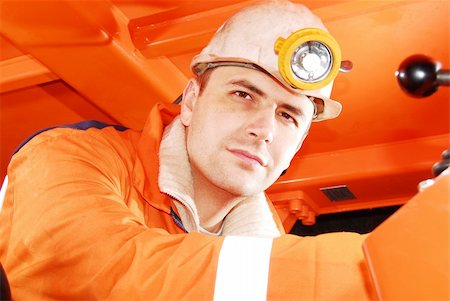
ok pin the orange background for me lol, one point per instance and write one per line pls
(67, 61)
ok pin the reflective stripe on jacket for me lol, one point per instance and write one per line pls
(83, 219)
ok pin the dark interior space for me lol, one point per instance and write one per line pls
(361, 221)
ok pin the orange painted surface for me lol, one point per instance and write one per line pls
(408, 254)
(63, 61)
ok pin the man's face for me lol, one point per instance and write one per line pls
(243, 130)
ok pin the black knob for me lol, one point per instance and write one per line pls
(446, 154)
(439, 167)
(417, 75)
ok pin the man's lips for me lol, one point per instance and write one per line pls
(249, 156)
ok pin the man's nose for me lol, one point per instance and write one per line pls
(261, 125)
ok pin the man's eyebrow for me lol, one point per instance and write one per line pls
(294, 110)
(248, 85)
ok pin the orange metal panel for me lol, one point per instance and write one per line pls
(96, 58)
(181, 30)
(408, 254)
(23, 71)
(8, 50)
(378, 175)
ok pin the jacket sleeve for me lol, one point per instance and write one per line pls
(66, 233)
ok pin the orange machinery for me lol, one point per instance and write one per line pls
(65, 61)
(408, 254)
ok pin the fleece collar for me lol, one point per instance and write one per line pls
(249, 216)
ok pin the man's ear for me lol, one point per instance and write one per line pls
(190, 95)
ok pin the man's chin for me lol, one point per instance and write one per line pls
(241, 189)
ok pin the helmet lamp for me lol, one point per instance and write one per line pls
(308, 59)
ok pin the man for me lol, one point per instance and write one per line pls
(178, 210)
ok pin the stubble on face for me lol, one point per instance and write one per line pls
(222, 127)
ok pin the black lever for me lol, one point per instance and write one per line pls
(439, 167)
(421, 76)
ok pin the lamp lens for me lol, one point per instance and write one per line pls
(311, 61)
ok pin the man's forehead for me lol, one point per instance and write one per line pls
(258, 81)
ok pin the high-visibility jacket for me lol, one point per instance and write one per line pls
(83, 219)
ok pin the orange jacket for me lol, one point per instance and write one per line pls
(83, 219)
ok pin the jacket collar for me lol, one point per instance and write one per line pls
(148, 154)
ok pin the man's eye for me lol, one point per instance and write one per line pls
(243, 94)
(288, 117)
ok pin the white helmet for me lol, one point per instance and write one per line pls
(285, 40)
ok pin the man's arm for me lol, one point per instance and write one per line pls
(66, 233)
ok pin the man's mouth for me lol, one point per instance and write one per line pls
(249, 157)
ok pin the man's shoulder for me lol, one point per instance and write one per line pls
(79, 135)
